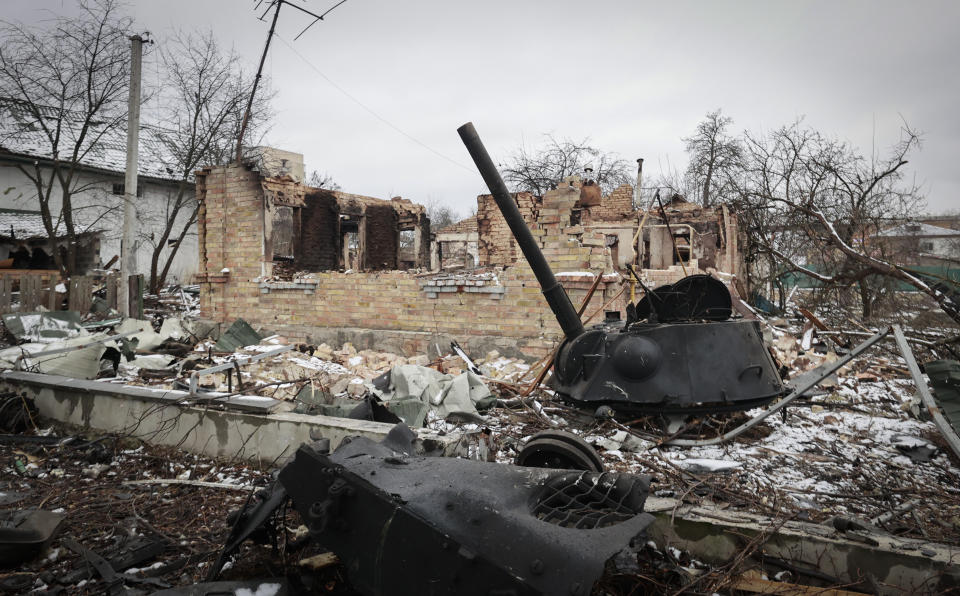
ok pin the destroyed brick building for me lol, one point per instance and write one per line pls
(580, 228)
(783, 500)
(303, 229)
(321, 265)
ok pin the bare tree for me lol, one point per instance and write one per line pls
(325, 181)
(202, 102)
(815, 205)
(441, 215)
(542, 169)
(714, 156)
(669, 182)
(67, 86)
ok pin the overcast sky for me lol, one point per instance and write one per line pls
(632, 76)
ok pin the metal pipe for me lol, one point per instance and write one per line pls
(933, 408)
(636, 189)
(554, 293)
(230, 364)
(820, 373)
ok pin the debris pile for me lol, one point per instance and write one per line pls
(853, 455)
(128, 513)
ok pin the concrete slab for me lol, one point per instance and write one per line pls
(888, 564)
(159, 417)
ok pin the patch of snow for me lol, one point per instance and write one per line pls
(314, 363)
(258, 348)
(262, 590)
(260, 398)
(709, 465)
(907, 442)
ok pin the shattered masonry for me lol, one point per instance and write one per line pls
(826, 465)
(579, 233)
(321, 265)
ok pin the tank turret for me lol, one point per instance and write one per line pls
(681, 353)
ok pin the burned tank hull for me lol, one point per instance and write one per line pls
(405, 524)
(669, 367)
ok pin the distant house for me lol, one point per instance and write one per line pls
(921, 243)
(98, 207)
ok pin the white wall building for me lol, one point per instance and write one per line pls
(98, 206)
(923, 243)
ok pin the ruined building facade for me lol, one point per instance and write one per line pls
(323, 266)
(308, 229)
(579, 229)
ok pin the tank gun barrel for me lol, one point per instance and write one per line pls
(553, 292)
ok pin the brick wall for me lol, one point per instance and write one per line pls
(496, 245)
(380, 250)
(566, 247)
(231, 239)
(616, 206)
(395, 301)
(387, 300)
(319, 232)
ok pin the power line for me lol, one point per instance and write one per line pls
(371, 111)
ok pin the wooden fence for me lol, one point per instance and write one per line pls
(24, 290)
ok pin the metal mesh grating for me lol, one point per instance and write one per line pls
(590, 500)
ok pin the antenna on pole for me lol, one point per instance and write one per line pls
(275, 5)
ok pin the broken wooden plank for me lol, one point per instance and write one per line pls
(53, 298)
(81, 293)
(135, 295)
(111, 283)
(318, 562)
(183, 481)
(753, 581)
(813, 319)
(30, 297)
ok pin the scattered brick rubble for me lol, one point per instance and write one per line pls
(853, 448)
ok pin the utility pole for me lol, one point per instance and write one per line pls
(128, 249)
(256, 81)
(275, 5)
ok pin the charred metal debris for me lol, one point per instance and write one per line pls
(446, 526)
(526, 507)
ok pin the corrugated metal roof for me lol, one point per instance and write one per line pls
(239, 334)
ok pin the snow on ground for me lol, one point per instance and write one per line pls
(844, 454)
